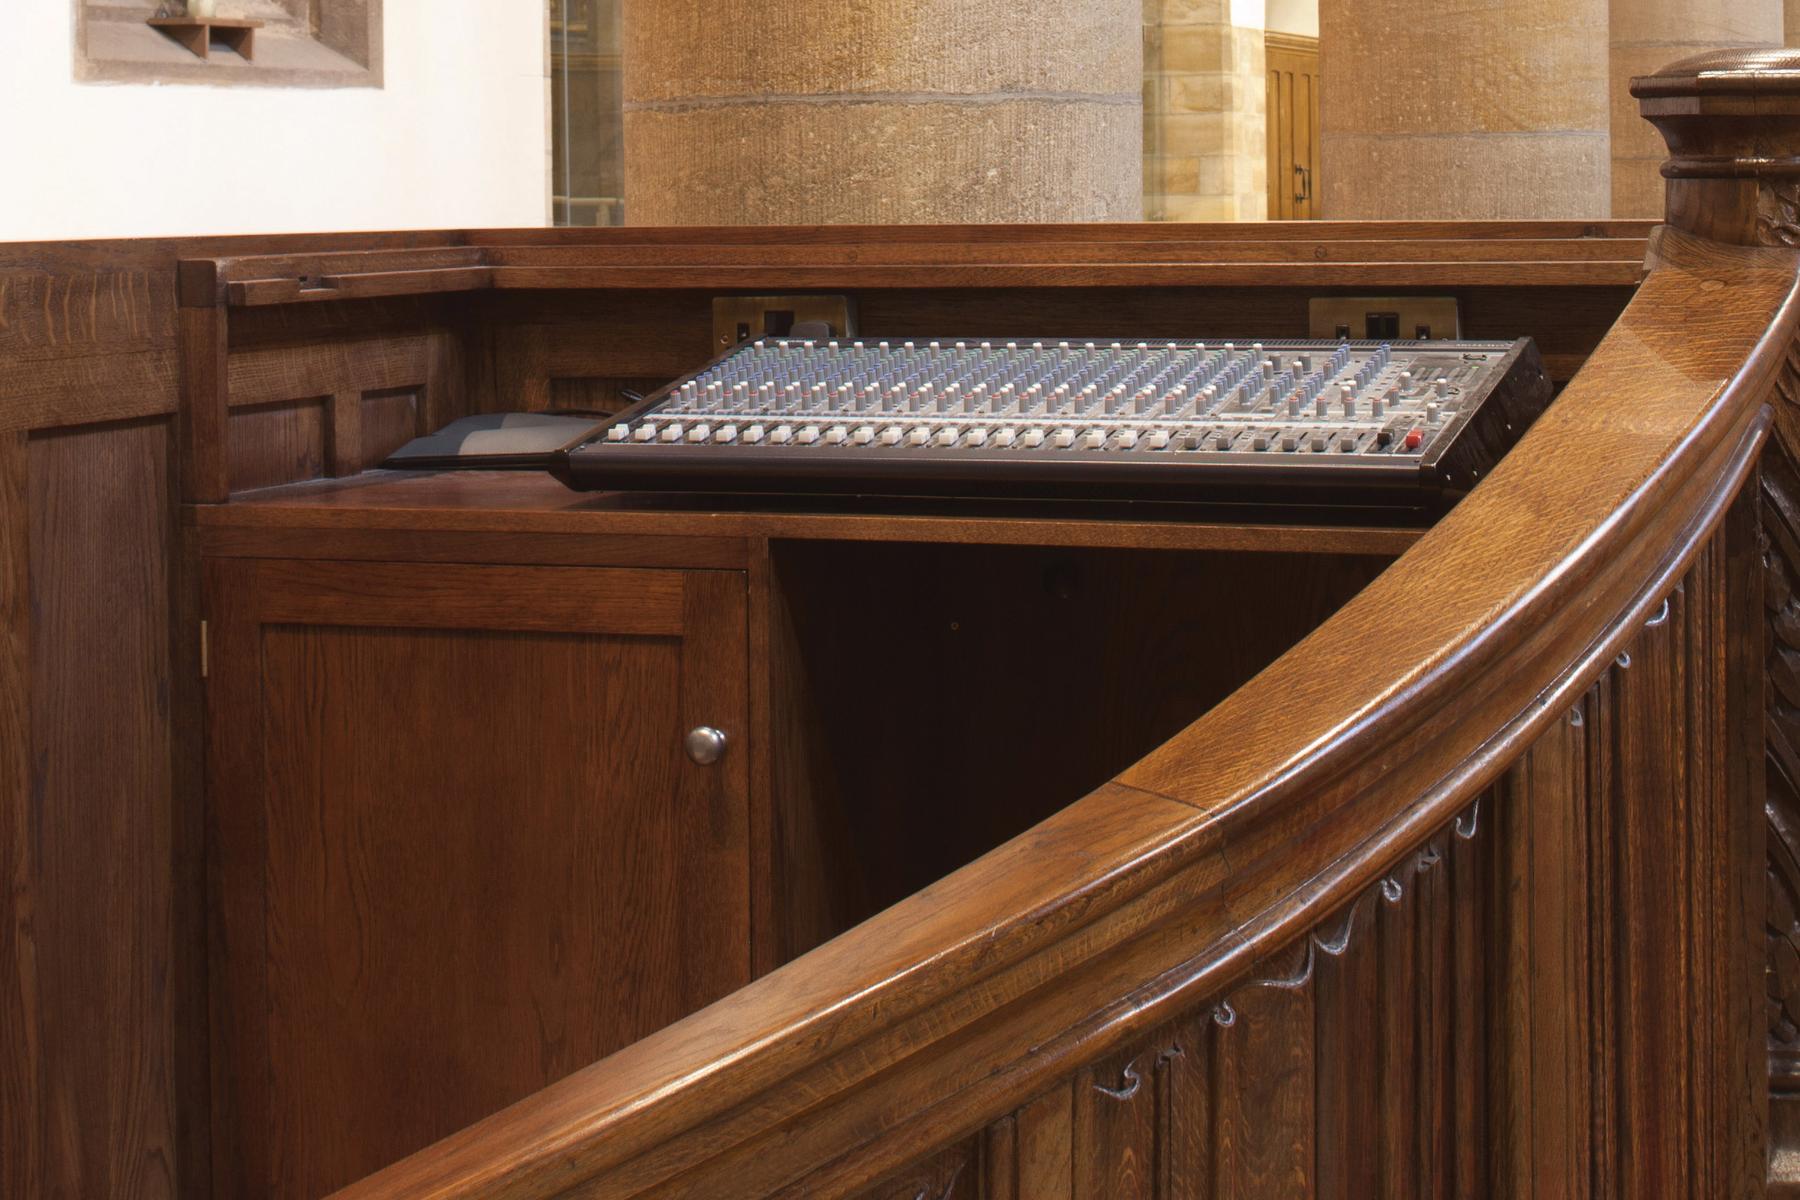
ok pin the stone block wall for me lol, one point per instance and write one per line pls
(1205, 96)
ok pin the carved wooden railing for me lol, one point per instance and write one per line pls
(1461, 896)
(1732, 122)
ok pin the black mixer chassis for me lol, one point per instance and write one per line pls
(1465, 449)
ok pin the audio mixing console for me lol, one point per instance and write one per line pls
(1411, 423)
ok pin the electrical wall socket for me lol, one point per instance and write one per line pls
(746, 318)
(1383, 318)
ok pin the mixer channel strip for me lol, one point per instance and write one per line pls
(1406, 422)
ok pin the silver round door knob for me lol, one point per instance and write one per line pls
(705, 745)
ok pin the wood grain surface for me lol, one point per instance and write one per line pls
(413, 931)
(935, 997)
(1305, 787)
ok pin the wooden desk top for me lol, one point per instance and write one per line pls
(290, 519)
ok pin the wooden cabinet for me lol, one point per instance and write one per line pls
(456, 846)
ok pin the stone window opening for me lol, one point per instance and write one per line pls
(302, 43)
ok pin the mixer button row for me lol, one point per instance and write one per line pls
(1254, 440)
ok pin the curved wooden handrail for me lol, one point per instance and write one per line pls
(1233, 839)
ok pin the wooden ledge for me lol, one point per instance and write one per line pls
(1322, 254)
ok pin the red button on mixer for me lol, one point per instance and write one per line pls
(1415, 439)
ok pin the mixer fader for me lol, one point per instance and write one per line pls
(1303, 420)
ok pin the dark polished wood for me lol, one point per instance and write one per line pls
(1427, 903)
(457, 849)
(1162, 890)
(1732, 121)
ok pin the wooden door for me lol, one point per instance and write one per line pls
(457, 848)
(1293, 119)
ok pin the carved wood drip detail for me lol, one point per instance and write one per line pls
(1779, 539)
(949, 1189)
(1299, 1081)
(1511, 975)
(1778, 215)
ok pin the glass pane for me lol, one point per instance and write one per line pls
(586, 127)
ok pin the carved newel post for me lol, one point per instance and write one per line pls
(1732, 123)
(1731, 119)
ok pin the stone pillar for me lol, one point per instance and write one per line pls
(1205, 96)
(1648, 35)
(882, 111)
(1477, 109)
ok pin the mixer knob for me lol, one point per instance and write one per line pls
(1126, 439)
(808, 435)
(1094, 440)
(699, 433)
(1431, 412)
(728, 433)
(1377, 407)
(1032, 438)
(1290, 442)
(1318, 442)
(863, 436)
(946, 437)
(1005, 437)
(918, 436)
(1224, 442)
(1157, 439)
(1062, 439)
(975, 437)
(837, 435)
(755, 434)
(645, 432)
(1322, 407)
(672, 433)
(618, 433)
(890, 436)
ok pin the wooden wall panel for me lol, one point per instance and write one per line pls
(273, 444)
(100, 508)
(387, 422)
(53, 307)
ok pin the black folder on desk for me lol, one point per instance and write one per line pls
(496, 441)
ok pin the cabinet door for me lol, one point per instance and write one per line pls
(457, 847)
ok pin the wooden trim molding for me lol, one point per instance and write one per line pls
(1297, 43)
(21, 1036)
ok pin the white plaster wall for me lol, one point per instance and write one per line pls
(1299, 17)
(1248, 14)
(457, 138)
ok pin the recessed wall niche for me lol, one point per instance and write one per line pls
(298, 43)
